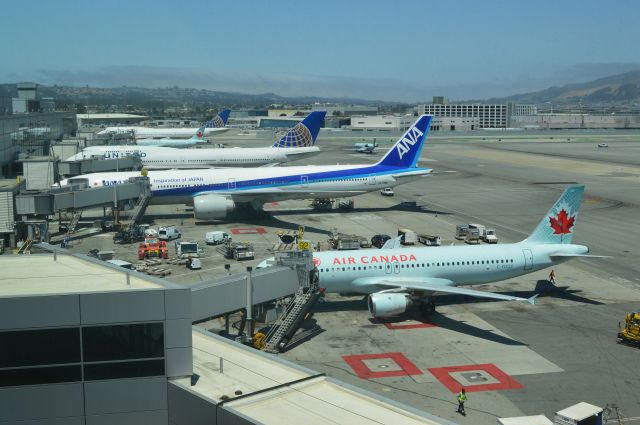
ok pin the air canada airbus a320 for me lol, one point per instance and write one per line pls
(215, 193)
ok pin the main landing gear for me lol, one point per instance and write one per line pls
(427, 306)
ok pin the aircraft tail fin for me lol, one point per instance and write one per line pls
(557, 226)
(199, 134)
(219, 120)
(304, 133)
(406, 151)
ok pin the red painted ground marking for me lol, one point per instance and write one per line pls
(505, 381)
(362, 370)
(248, 231)
(394, 326)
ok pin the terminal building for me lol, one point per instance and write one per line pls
(403, 122)
(85, 342)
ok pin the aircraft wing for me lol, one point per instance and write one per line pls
(428, 284)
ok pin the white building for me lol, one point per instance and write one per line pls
(401, 123)
(489, 115)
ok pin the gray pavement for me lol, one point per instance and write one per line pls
(559, 352)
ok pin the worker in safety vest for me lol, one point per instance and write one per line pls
(462, 397)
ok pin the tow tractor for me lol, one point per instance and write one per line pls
(630, 333)
(152, 247)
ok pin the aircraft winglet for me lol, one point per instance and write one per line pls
(532, 300)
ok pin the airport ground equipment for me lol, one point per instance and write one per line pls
(461, 231)
(629, 333)
(215, 237)
(168, 233)
(407, 237)
(486, 235)
(286, 326)
(429, 240)
(152, 248)
(193, 263)
(322, 204)
(236, 250)
(75, 219)
(186, 249)
(343, 241)
(472, 236)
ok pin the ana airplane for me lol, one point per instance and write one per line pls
(397, 278)
(215, 193)
(216, 125)
(197, 139)
(296, 144)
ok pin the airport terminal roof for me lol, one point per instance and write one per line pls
(41, 274)
(271, 390)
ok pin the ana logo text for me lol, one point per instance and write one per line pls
(405, 144)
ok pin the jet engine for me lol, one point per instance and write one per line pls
(388, 304)
(212, 207)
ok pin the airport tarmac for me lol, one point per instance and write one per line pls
(513, 359)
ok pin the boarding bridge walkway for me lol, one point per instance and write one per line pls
(78, 197)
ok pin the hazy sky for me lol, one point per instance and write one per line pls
(391, 50)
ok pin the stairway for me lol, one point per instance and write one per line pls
(295, 311)
(139, 209)
(73, 223)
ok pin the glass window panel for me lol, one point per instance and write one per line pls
(122, 342)
(39, 347)
(135, 369)
(39, 375)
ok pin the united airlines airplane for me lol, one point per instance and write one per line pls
(397, 278)
(216, 125)
(215, 193)
(297, 143)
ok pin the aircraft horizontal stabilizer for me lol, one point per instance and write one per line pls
(436, 285)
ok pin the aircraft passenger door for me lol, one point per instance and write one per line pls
(372, 179)
(528, 259)
(388, 268)
(304, 181)
(396, 268)
(231, 184)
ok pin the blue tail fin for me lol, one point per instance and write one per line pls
(557, 225)
(219, 120)
(304, 133)
(199, 134)
(406, 151)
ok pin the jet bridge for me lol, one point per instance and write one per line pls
(77, 197)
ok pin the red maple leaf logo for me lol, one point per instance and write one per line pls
(199, 134)
(316, 261)
(562, 223)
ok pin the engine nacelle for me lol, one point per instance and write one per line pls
(212, 207)
(388, 304)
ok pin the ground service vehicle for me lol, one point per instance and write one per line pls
(490, 236)
(407, 236)
(429, 240)
(194, 264)
(472, 236)
(237, 250)
(630, 333)
(216, 237)
(186, 249)
(168, 233)
(152, 248)
(379, 240)
(461, 231)
(387, 191)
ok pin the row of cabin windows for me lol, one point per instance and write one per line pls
(419, 265)
(163, 161)
(263, 182)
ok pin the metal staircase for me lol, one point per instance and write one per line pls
(26, 247)
(139, 209)
(73, 223)
(284, 328)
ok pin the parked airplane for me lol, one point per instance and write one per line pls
(365, 147)
(197, 139)
(216, 192)
(296, 144)
(396, 279)
(216, 125)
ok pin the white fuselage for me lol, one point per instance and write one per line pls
(264, 184)
(153, 157)
(349, 271)
(140, 132)
(171, 143)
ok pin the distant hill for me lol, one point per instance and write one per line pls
(615, 89)
(139, 96)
